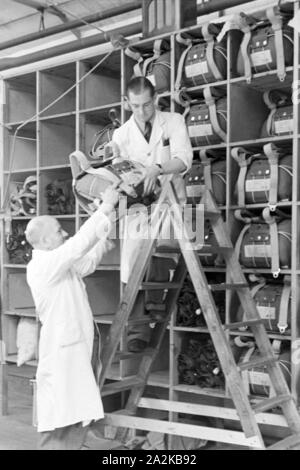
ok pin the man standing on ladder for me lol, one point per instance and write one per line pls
(160, 141)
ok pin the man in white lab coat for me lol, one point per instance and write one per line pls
(68, 398)
(160, 141)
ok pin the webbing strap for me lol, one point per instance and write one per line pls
(284, 305)
(137, 56)
(210, 40)
(245, 27)
(245, 373)
(206, 169)
(254, 291)
(239, 241)
(156, 54)
(211, 103)
(240, 155)
(271, 221)
(276, 21)
(273, 154)
(189, 44)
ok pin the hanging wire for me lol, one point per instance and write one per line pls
(74, 15)
(42, 20)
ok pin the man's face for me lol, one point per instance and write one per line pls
(54, 235)
(142, 106)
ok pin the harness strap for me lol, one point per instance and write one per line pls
(276, 21)
(211, 103)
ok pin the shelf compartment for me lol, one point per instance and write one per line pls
(103, 85)
(91, 123)
(14, 266)
(266, 80)
(105, 319)
(53, 83)
(260, 205)
(100, 109)
(21, 98)
(17, 251)
(100, 285)
(212, 392)
(277, 336)
(56, 193)
(56, 116)
(22, 312)
(18, 294)
(21, 150)
(13, 358)
(159, 378)
(57, 137)
(285, 141)
(55, 167)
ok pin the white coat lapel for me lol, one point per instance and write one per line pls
(137, 137)
(157, 130)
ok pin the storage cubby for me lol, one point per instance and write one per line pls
(97, 126)
(100, 285)
(21, 98)
(102, 86)
(17, 250)
(56, 194)
(54, 83)
(57, 141)
(20, 148)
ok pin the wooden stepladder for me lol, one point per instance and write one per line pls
(190, 261)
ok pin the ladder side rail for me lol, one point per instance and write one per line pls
(215, 328)
(146, 248)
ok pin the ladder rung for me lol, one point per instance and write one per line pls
(210, 250)
(241, 324)
(257, 362)
(291, 442)
(131, 355)
(214, 250)
(120, 386)
(212, 215)
(160, 285)
(154, 306)
(270, 403)
(147, 320)
(224, 286)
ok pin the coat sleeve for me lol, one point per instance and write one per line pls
(91, 260)
(119, 139)
(180, 144)
(61, 259)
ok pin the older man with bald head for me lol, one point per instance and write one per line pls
(68, 397)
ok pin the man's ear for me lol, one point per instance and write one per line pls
(44, 242)
(127, 106)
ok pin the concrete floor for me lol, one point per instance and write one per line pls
(16, 430)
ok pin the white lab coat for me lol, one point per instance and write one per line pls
(67, 392)
(167, 127)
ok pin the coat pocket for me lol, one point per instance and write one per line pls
(70, 334)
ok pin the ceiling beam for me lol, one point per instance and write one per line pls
(42, 7)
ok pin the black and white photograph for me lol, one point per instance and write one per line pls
(149, 228)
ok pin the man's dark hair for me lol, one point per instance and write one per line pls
(138, 85)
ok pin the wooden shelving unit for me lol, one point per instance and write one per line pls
(42, 148)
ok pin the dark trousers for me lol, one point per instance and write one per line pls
(67, 438)
(159, 271)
